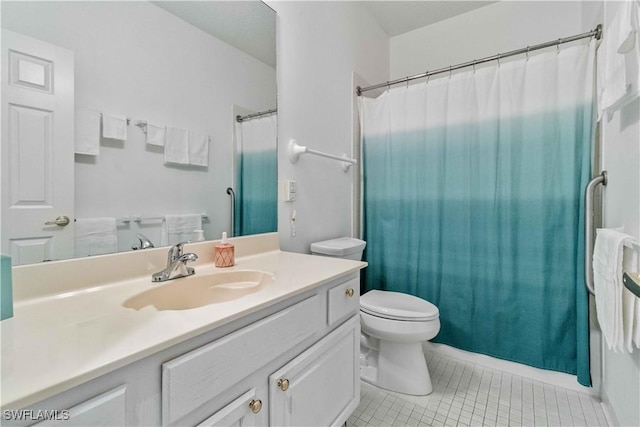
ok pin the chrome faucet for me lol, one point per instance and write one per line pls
(176, 265)
(145, 243)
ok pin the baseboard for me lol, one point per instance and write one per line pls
(558, 379)
(607, 410)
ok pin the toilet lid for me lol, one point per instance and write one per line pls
(397, 306)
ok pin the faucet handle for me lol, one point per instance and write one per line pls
(176, 251)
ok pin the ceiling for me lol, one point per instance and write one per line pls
(250, 25)
(398, 17)
(247, 25)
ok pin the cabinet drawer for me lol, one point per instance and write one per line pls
(106, 409)
(193, 379)
(344, 300)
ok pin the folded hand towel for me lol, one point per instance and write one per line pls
(176, 147)
(95, 236)
(87, 132)
(198, 149)
(607, 278)
(180, 228)
(155, 134)
(114, 126)
(618, 82)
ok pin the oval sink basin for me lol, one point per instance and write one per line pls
(200, 290)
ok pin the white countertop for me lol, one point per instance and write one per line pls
(57, 341)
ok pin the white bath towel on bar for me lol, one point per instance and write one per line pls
(95, 236)
(176, 146)
(155, 134)
(180, 228)
(114, 126)
(198, 149)
(618, 58)
(87, 132)
(607, 278)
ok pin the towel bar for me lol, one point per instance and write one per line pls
(140, 218)
(632, 282)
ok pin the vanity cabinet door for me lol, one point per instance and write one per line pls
(320, 387)
(239, 413)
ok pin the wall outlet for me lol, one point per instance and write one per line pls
(290, 191)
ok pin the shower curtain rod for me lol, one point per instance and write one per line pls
(240, 118)
(597, 33)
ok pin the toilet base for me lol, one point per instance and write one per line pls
(399, 367)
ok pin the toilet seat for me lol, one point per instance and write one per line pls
(397, 306)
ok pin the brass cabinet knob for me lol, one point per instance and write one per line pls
(255, 406)
(349, 292)
(283, 384)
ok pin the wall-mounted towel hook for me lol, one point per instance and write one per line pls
(295, 150)
(142, 125)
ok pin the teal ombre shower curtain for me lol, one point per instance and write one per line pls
(473, 199)
(256, 176)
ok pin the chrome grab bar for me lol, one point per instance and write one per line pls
(589, 232)
(233, 209)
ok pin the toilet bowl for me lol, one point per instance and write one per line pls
(394, 326)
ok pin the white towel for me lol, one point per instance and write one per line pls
(114, 126)
(631, 312)
(180, 228)
(176, 147)
(607, 280)
(87, 132)
(618, 61)
(155, 134)
(95, 236)
(198, 149)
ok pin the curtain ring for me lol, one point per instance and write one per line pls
(558, 46)
(388, 86)
(474, 66)
(428, 77)
(528, 52)
(498, 60)
(449, 71)
(407, 82)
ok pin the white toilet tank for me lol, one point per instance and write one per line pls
(344, 247)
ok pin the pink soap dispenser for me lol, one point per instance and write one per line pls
(224, 253)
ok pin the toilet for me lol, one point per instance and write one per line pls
(394, 326)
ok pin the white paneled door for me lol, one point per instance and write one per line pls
(37, 149)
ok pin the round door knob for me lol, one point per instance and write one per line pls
(61, 221)
(349, 292)
(255, 405)
(283, 384)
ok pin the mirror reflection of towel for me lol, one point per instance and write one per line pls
(95, 236)
(180, 228)
(114, 126)
(176, 146)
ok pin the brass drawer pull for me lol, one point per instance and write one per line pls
(349, 292)
(283, 384)
(255, 406)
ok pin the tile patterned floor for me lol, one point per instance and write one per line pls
(471, 395)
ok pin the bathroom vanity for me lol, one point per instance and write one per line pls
(286, 354)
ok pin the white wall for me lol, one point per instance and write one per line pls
(320, 45)
(499, 27)
(620, 153)
(136, 59)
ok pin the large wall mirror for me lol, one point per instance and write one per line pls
(126, 113)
